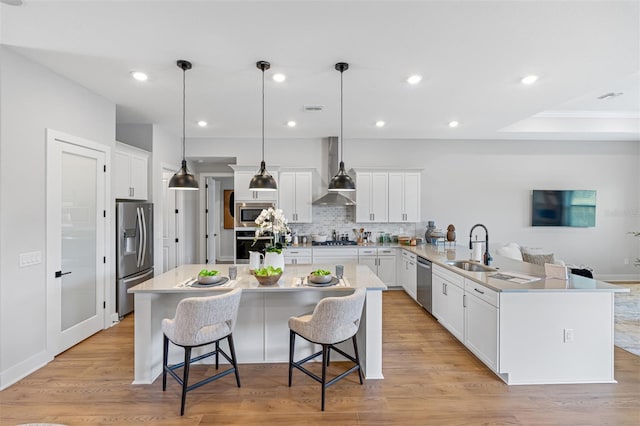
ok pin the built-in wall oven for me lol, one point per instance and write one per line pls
(247, 213)
(246, 242)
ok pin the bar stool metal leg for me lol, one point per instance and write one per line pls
(165, 357)
(232, 349)
(292, 345)
(187, 363)
(357, 356)
(325, 362)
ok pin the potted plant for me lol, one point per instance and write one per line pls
(272, 221)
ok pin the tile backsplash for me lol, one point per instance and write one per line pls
(341, 218)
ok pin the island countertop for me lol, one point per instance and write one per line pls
(439, 255)
(174, 281)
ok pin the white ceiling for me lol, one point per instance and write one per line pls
(472, 55)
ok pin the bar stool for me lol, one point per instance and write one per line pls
(334, 320)
(201, 321)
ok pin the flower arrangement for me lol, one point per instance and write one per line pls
(273, 221)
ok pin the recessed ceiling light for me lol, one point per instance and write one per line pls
(202, 123)
(291, 123)
(139, 75)
(414, 79)
(530, 79)
(380, 123)
(279, 78)
(453, 124)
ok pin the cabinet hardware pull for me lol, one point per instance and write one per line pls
(464, 300)
(481, 292)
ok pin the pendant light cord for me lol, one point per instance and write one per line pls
(263, 114)
(341, 113)
(184, 97)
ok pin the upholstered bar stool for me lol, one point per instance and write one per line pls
(201, 321)
(334, 320)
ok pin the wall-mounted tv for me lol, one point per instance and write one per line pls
(563, 208)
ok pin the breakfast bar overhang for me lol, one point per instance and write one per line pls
(261, 334)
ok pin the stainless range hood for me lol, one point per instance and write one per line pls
(333, 198)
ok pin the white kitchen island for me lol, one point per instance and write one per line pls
(261, 334)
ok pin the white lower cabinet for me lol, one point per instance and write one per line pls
(382, 261)
(335, 255)
(297, 256)
(408, 273)
(448, 300)
(481, 323)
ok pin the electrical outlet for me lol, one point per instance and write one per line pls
(568, 335)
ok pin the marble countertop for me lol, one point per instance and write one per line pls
(440, 254)
(174, 281)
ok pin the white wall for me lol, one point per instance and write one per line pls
(490, 182)
(33, 99)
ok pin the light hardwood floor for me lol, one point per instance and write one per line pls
(430, 378)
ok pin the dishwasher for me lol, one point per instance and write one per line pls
(424, 283)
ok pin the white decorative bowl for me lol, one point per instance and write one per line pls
(319, 279)
(319, 238)
(209, 279)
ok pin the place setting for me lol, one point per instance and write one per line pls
(323, 278)
(211, 278)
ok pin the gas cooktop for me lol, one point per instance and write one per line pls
(335, 243)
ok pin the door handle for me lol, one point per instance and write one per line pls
(60, 273)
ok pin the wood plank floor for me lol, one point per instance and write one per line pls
(430, 378)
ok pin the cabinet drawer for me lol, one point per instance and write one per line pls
(367, 251)
(386, 252)
(333, 251)
(297, 252)
(450, 276)
(410, 256)
(482, 292)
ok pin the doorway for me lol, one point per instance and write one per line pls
(217, 244)
(77, 200)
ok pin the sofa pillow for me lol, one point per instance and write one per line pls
(538, 259)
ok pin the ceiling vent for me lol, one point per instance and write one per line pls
(313, 108)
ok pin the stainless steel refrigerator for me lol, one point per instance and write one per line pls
(134, 250)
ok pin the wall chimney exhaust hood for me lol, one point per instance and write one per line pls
(333, 198)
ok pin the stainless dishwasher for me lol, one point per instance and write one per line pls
(424, 283)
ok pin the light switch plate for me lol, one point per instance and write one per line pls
(30, 259)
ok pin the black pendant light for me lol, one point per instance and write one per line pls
(263, 181)
(182, 179)
(341, 181)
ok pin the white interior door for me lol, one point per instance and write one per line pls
(75, 241)
(172, 224)
(212, 221)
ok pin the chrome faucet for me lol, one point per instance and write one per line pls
(486, 257)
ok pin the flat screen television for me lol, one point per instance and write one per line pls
(563, 208)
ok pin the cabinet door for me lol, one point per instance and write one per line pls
(387, 269)
(287, 195)
(370, 261)
(139, 177)
(411, 195)
(439, 304)
(363, 198)
(455, 310)
(412, 279)
(380, 197)
(121, 175)
(303, 195)
(241, 182)
(481, 330)
(396, 198)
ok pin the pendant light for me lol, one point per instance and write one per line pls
(182, 179)
(341, 181)
(263, 181)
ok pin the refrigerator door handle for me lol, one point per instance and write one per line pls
(139, 223)
(137, 277)
(144, 236)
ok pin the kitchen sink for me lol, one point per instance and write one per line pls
(470, 266)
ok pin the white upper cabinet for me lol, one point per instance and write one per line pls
(130, 173)
(294, 196)
(242, 178)
(404, 197)
(372, 192)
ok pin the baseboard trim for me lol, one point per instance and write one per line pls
(23, 369)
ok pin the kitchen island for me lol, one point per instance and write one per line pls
(542, 331)
(261, 334)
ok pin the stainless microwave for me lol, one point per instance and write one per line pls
(247, 213)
